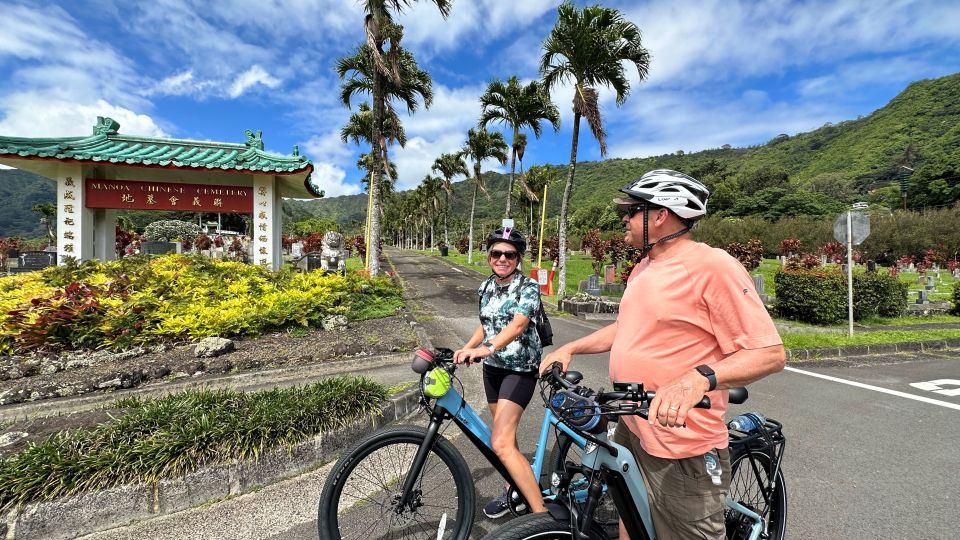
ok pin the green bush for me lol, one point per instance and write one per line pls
(956, 299)
(878, 294)
(811, 296)
(820, 297)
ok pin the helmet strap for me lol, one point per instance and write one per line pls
(647, 245)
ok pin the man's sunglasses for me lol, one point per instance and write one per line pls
(510, 255)
(629, 211)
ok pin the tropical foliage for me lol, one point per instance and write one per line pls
(138, 300)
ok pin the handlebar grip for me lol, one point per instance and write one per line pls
(703, 404)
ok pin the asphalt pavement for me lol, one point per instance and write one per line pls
(872, 441)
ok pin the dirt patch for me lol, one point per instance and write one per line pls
(35, 379)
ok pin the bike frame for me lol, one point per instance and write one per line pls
(629, 492)
(452, 406)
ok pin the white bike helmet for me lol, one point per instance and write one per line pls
(675, 191)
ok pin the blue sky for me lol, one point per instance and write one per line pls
(723, 72)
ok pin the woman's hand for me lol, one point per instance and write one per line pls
(470, 354)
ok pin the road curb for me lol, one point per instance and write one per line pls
(87, 513)
(800, 355)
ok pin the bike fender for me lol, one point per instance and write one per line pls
(558, 512)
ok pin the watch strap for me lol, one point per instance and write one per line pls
(708, 372)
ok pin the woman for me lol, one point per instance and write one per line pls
(510, 348)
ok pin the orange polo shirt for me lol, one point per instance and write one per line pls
(696, 306)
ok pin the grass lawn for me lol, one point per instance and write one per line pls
(793, 340)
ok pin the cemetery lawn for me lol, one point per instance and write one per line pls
(794, 340)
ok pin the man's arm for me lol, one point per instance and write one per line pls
(741, 368)
(598, 342)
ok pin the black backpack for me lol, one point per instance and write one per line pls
(540, 320)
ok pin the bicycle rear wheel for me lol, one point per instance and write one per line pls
(747, 485)
(539, 527)
(360, 496)
(564, 450)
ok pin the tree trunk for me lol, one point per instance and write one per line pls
(446, 240)
(564, 205)
(473, 205)
(513, 164)
(376, 152)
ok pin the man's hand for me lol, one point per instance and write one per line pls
(473, 354)
(560, 355)
(674, 400)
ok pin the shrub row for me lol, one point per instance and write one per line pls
(820, 297)
(179, 433)
(138, 300)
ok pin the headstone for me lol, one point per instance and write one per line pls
(912, 268)
(158, 248)
(609, 274)
(843, 268)
(923, 297)
(36, 260)
(758, 284)
(823, 260)
(296, 250)
(591, 285)
(930, 285)
(872, 266)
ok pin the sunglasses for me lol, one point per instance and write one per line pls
(629, 211)
(510, 255)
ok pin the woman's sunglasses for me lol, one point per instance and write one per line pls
(510, 255)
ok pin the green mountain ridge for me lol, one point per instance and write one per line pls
(819, 172)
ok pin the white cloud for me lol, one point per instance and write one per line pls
(250, 78)
(327, 147)
(414, 161)
(40, 115)
(330, 178)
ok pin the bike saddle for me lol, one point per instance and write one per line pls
(573, 377)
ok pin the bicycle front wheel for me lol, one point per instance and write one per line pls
(748, 483)
(540, 526)
(605, 515)
(360, 499)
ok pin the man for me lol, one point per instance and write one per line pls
(690, 324)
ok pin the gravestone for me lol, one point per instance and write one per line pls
(930, 285)
(591, 285)
(923, 297)
(296, 250)
(609, 274)
(158, 248)
(871, 266)
(823, 260)
(758, 284)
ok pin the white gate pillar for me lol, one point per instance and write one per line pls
(74, 219)
(267, 221)
(105, 234)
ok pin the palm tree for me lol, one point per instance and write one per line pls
(365, 163)
(536, 179)
(385, 67)
(430, 189)
(449, 166)
(589, 47)
(481, 145)
(518, 107)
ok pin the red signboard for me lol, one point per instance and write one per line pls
(122, 194)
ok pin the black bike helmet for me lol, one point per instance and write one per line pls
(509, 235)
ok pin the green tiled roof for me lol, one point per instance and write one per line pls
(106, 145)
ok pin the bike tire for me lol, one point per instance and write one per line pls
(358, 495)
(541, 526)
(606, 515)
(745, 488)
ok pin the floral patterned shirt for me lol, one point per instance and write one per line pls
(498, 305)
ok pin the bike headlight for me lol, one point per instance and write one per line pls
(555, 481)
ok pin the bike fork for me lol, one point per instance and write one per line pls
(420, 459)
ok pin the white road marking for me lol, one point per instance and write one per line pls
(934, 386)
(877, 388)
(457, 269)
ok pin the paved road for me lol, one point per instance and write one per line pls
(860, 462)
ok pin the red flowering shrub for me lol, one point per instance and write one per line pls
(749, 255)
(789, 246)
(834, 251)
(463, 245)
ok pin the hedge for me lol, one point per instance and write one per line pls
(820, 297)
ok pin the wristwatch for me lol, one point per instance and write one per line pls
(707, 372)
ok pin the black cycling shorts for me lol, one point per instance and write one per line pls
(515, 386)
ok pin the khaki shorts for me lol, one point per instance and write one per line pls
(684, 502)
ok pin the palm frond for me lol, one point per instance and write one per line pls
(587, 104)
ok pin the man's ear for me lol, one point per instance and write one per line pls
(662, 215)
